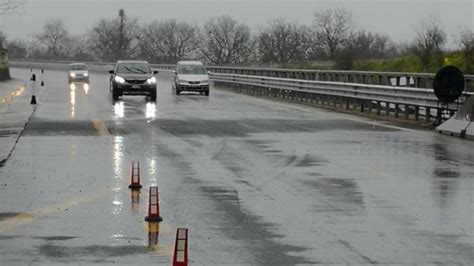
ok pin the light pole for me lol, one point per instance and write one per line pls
(121, 48)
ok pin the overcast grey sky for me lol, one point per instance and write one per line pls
(397, 18)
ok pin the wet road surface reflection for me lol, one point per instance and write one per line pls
(257, 182)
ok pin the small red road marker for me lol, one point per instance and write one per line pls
(153, 206)
(180, 254)
(153, 233)
(135, 178)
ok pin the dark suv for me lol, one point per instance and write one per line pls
(133, 78)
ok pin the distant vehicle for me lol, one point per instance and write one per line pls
(191, 76)
(78, 72)
(133, 78)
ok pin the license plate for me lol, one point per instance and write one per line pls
(135, 87)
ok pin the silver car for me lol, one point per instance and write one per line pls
(191, 76)
(78, 73)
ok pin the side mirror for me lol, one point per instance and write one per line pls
(155, 72)
(111, 72)
(209, 72)
(174, 72)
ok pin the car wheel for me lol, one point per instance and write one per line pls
(115, 94)
(153, 96)
(178, 92)
(206, 93)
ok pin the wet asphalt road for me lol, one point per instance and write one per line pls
(256, 182)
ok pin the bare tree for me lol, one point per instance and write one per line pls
(80, 49)
(465, 40)
(282, 42)
(115, 39)
(17, 49)
(168, 41)
(334, 29)
(7, 6)
(429, 41)
(373, 45)
(54, 37)
(224, 41)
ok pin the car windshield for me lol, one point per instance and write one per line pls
(133, 68)
(192, 69)
(78, 67)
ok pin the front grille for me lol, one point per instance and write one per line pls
(193, 82)
(135, 81)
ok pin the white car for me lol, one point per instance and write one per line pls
(191, 76)
(78, 72)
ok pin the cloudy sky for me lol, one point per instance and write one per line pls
(397, 18)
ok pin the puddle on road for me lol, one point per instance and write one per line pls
(241, 128)
(259, 235)
(7, 215)
(55, 251)
(56, 238)
(343, 194)
(8, 237)
(446, 173)
(54, 128)
(4, 133)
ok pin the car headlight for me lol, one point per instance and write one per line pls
(204, 82)
(119, 79)
(151, 80)
(73, 75)
(86, 74)
(182, 82)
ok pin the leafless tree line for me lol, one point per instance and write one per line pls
(225, 41)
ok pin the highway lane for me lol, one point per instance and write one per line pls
(257, 183)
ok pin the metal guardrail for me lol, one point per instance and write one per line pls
(400, 79)
(391, 100)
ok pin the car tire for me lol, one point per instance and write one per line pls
(153, 96)
(115, 94)
(178, 92)
(206, 93)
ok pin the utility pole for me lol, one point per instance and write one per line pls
(121, 37)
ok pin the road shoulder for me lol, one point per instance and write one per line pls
(15, 112)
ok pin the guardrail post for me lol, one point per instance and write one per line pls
(407, 111)
(380, 80)
(378, 108)
(387, 109)
(396, 110)
(428, 114)
(417, 113)
(361, 106)
(438, 115)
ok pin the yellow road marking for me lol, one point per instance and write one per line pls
(10, 97)
(100, 127)
(28, 217)
(245, 125)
